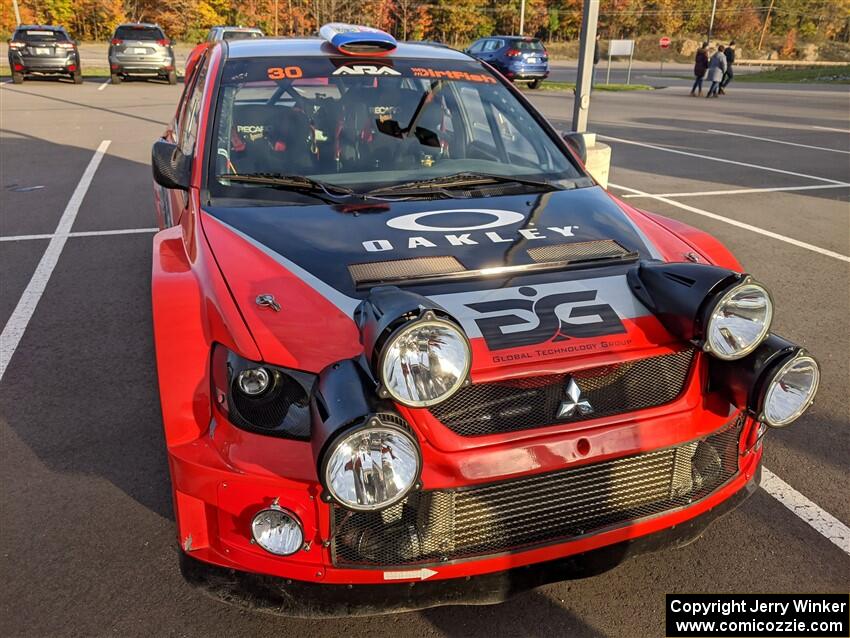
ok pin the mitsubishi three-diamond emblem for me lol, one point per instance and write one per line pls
(573, 404)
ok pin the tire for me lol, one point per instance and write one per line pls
(114, 78)
(172, 77)
(17, 78)
(534, 84)
(77, 77)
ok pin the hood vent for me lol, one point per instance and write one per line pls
(436, 269)
(579, 251)
(377, 272)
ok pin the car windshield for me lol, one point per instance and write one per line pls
(39, 36)
(241, 35)
(139, 33)
(363, 125)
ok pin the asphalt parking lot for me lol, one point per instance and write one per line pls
(87, 533)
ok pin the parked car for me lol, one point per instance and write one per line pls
(43, 50)
(141, 50)
(402, 335)
(518, 58)
(217, 34)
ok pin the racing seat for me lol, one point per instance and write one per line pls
(270, 139)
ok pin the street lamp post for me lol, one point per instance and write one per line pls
(581, 106)
(522, 17)
(711, 21)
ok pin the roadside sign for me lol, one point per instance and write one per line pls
(664, 42)
(618, 48)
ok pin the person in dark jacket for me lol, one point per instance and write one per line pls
(730, 60)
(700, 67)
(716, 69)
(596, 58)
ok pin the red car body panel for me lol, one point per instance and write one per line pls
(222, 474)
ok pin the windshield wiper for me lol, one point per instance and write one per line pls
(460, 180)
(326, 192)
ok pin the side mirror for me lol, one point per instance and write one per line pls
(171, 168)
(576, 142)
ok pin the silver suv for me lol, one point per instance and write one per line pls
(141, 50)
(217, 34)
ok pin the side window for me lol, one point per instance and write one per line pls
(476, 47)
(493, 45)
(477, 117)
(188, 125)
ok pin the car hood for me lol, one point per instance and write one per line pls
(310, 258)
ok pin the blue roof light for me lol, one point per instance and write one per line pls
(353, 39)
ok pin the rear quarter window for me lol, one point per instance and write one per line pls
(139, 33)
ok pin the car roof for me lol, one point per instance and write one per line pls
(231, 28)
(273, 47)
(138, 24)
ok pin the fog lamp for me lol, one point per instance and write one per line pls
(277, 531)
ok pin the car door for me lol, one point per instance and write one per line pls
(183, 131)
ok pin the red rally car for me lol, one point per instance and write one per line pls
(411, 354)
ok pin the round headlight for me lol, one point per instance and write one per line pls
(425, 362)
(372, 468)
(791, 390)
(277, 530)
(253, 381)
(739, 321)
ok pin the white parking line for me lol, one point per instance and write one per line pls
(829, 128)
(822, 521)
(103, 85)
(768, 139)
(743, 191)
(739, 224)
(82, 233)
(21, 315)
(719, 159)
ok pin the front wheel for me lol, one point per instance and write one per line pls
(17, 78)
(172, 77)
(534, 84)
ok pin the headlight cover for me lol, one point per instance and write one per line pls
(739, 321)
(372, 467)
(425, 361)
(790, 391)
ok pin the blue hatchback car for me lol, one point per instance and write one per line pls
(518, 58)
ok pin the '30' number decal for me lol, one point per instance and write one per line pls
(284, 73)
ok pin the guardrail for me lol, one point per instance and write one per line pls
(788, 63)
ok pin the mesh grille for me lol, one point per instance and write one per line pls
(532, 402)
(400, 269)
(578, 251)
(438, 526)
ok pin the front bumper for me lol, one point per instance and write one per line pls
(308, 599)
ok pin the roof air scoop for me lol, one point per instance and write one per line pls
(353, 39)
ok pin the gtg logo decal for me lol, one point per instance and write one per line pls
(582, 320)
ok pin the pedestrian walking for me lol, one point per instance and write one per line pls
(716, 69)
(700, 67)
(730, 60)
(596, 58)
